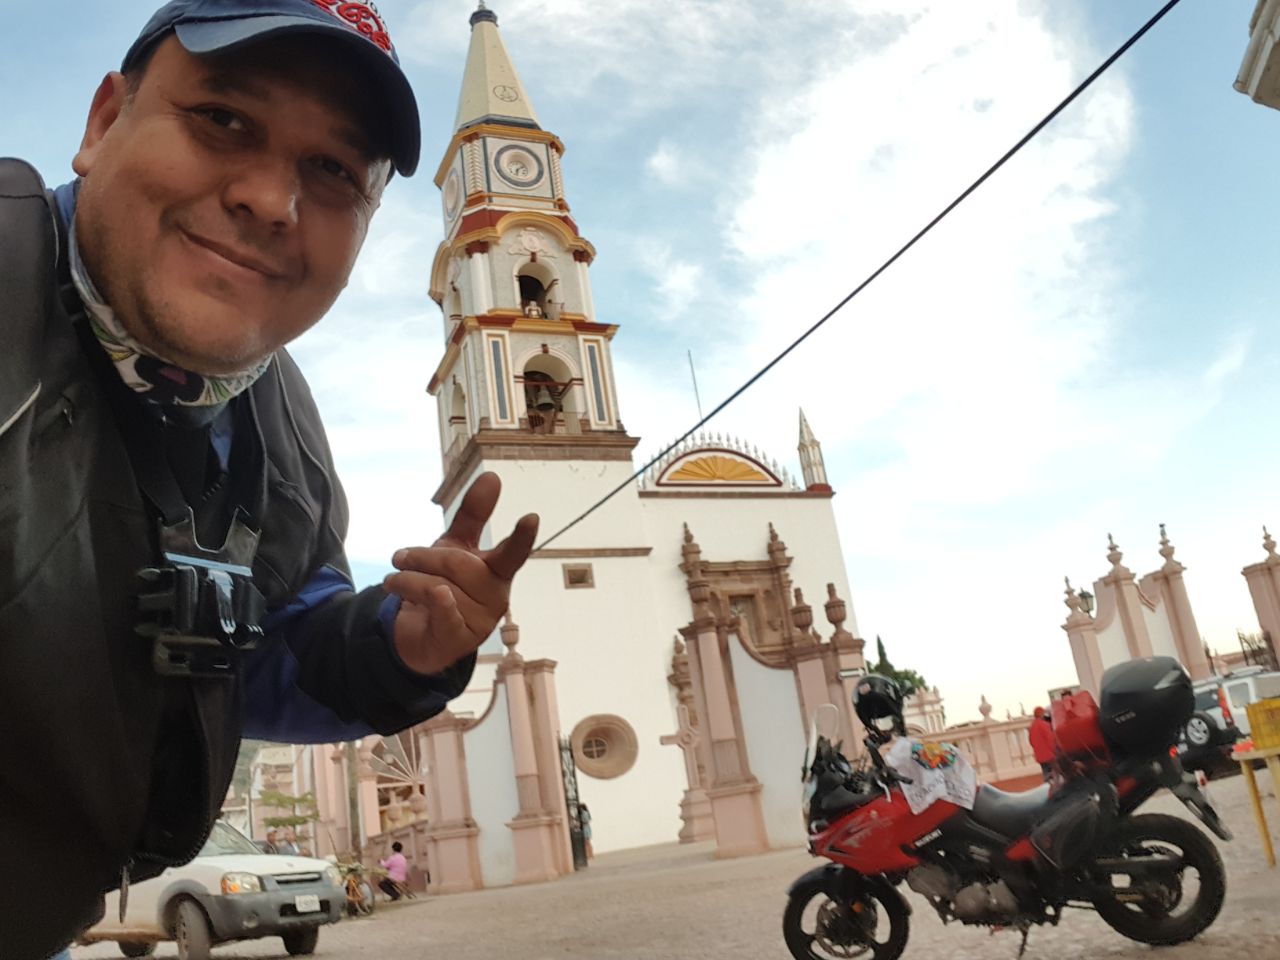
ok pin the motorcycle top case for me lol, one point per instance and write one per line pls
(1075, 726)
(1145, 704)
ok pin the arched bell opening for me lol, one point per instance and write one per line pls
(458, 431)
(537, 289)
(549, 395)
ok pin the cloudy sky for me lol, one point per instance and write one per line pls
(1087, 346)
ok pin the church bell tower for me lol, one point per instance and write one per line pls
(526, 373)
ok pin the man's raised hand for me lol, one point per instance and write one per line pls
(453, 593)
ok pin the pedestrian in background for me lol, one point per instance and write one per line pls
(1040, 733)
(397, 872)
(584, 817)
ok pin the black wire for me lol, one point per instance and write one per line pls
(1027, 138)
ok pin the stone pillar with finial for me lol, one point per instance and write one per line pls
(1264, 587)
(808, 656)
(544, 712)
(1172, 589)
(367, 787)
(1124, 586)
(534, 828)
(697, 820)
(779, 572)
(1079, 627)
(850, 664)
(733, 791)
(451, 836)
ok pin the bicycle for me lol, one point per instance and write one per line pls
(360, 902)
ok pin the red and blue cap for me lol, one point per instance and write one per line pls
(214, 26)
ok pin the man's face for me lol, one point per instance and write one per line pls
(225, 200)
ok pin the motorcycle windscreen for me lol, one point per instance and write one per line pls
(823, 726)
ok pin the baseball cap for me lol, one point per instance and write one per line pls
(214, 26)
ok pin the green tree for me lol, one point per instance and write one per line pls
(909, 681)
(303, 809)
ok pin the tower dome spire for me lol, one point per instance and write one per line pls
(491, 88)
(812, 465)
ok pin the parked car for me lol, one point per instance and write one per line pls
(1209, 735)
(230, 891)
(1247, 686)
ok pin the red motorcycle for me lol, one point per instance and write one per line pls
(1010, 860)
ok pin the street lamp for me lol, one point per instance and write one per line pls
(1086, 601)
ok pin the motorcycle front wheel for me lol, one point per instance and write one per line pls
(822, 924)
(1168, 904)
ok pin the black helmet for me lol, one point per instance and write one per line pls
(877, 698)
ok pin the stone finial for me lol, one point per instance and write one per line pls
(984, 708)
(802, 614)
(1073, 599)
(510, 633)
(1268, 542)
(836, 609)
(1114, 556)
(777, 548)
(773, 533)
(1166, 550)
(1008, 714)
(692, 554)
(679, 647)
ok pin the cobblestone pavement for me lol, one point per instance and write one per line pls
(673, 902)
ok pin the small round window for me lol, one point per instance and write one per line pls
(604, 746)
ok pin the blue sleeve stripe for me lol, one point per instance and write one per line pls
(275, 708)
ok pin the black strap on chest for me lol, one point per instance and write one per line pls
(198, 606)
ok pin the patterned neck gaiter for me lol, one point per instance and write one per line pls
(144, 372)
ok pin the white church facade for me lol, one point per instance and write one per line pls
(525, 388)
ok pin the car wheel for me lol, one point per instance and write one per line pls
(300, 943)
(191, 932)
(137, 949)
(1200, 730)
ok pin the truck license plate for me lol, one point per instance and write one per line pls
(307, 902)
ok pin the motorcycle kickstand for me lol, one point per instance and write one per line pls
(1023, 949)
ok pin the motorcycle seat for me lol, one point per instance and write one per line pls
(1009, 814)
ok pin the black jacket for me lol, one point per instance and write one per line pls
(105, 765)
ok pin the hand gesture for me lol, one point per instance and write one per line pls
(453, 593)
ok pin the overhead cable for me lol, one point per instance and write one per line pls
(1008, 155)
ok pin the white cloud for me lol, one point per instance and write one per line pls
(666, 165)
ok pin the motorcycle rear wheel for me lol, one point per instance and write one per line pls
(1158, 924)
(871, 926)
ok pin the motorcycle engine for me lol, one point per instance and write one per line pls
(935, 883)
(986, 902)
(974, 903)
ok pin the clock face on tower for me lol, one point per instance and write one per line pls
(518, 166)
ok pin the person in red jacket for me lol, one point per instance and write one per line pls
(1041, 736)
